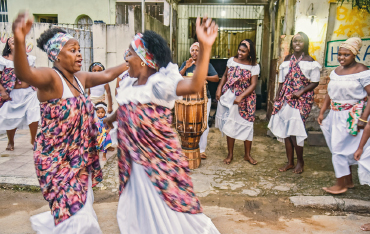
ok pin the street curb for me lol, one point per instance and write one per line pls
(331, 203)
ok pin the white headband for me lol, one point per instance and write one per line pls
(101, 106)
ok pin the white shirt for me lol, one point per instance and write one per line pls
(310, 69)
(10, 64)
(255, 70)
(348, 88)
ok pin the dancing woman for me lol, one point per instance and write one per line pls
(237, 99)
(187, 68)
(348, 92)
(156, 192)
(19, 107)
(65, 156)
(299, 76)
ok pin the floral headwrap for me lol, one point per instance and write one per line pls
(96, 64)
(139, 46)
(55, 45)
(194, 44)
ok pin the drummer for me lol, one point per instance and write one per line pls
(187, 68)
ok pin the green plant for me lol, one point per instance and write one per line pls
(361, 4)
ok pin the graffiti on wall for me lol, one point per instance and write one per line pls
(331, 59)
(352, 22)
(4, 38)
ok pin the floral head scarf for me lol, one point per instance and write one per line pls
(139, 46)
(194, 44)
(55, 45)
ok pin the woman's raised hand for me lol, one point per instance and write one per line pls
(22, 25)
(206, 31)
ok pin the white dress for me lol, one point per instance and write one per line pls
(140, 208)
(288, 121)
(24, 108)
(346, 89)
(84, 221)
(228, 119)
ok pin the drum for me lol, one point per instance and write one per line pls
(190, 123)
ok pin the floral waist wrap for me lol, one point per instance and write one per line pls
(353, 115)
(145, 137)
(65, 154)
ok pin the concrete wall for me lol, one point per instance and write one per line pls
(67, 10)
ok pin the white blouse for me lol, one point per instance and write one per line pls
(310, 69)
(10, 64)
(159, 89)
(348, 88)
(255, 70)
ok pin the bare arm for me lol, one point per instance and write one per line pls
(324, 107)
(213, 78)
(93, 79)
(221, 84)
(117, 85)
(183, 70)
(38, 77)
(248, 91)
(365, 114)
(109, 95)
(206, 33)
(278, 92)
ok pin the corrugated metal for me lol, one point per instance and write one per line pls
(236, 22)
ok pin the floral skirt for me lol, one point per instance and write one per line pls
(21, 111)
(83, 222)
(141, 210)
(229, 121)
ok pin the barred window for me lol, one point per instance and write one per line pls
(3, 11)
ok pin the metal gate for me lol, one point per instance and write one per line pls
(84, 35)
(236, 23)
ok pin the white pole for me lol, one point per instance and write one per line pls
(142, 15)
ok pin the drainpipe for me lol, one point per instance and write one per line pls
(171, 25)
(142, 15)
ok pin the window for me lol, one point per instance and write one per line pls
(3, 11)
(53, 19)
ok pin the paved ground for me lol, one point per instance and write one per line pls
(240, 198)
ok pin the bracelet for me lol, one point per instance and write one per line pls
(362, 120)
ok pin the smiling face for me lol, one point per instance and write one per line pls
(194, 52)
(133, 62)
(243, 52)
(97, 69)
(70, 57)
(298, 43)
(11, 43)
(345, 57)
(100, 112)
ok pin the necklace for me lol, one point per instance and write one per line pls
(80, 90)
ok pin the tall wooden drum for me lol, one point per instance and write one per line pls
(191, 121)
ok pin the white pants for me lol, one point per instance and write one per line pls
(203, 138)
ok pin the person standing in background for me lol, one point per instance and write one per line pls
(187, 69)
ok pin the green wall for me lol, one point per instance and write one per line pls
(67, 10)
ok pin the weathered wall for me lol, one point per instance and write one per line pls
(68, 10)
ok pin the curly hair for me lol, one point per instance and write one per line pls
(306, 42)
(252, 51)
(46, 36)
(158, 47)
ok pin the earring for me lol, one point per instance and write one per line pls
(57, 59)
(142, 64)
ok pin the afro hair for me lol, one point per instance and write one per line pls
(46, 36)
(158, 47)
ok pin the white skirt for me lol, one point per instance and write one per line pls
(141, 210)
(288, 122)
(343, 145)
(83, 222)
(21, 111)
(229, 121)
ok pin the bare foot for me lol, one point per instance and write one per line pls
(250, 160)
(298, 168)
(104, 157)
(10, 147)
(203, 156)
(335, 189)
(365, 227)
(228, 159)
(286, 167)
